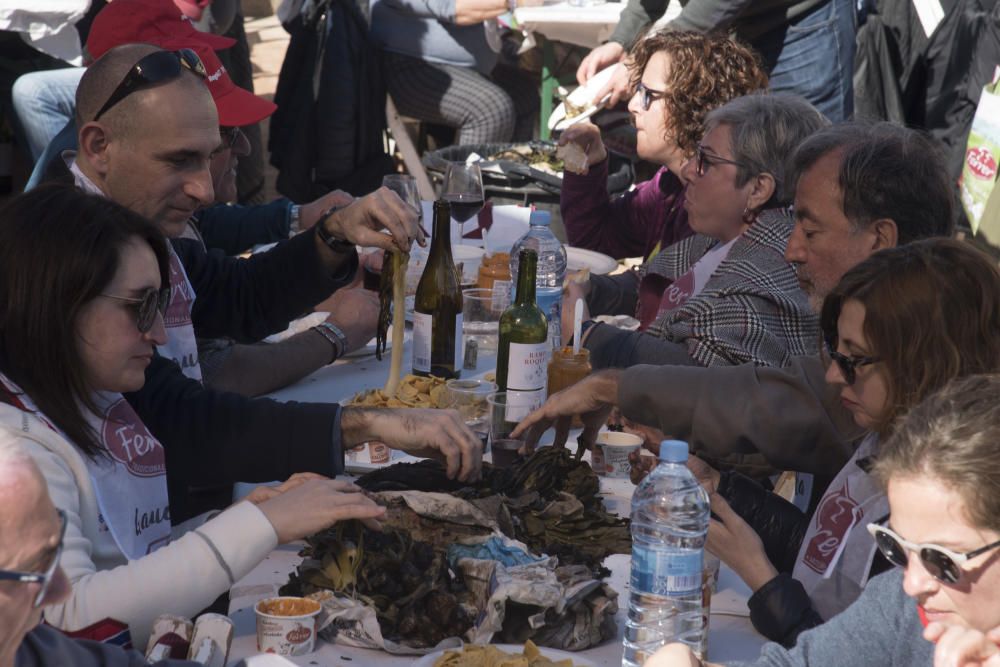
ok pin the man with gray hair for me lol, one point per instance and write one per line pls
(31, 577)
(859, 188)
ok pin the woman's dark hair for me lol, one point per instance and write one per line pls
(932, 314)
(706, 71)
(59, 249)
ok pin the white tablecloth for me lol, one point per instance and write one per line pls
(583, 26)
(731, 634)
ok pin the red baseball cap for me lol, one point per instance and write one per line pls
(237, 106)
(150, 21)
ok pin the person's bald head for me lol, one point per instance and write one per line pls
(104, 76)
(151, 151)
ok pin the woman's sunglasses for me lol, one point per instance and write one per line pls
(152, 302)
(942, 564)
(155, 68)
(43, 578)
(848, 365)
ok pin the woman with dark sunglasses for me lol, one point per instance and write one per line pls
(81, 311)
(900, 326)
(940, 606)
(678, 77)
(726, 295)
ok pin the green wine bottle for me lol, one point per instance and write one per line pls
(523, 351)
(437, 306)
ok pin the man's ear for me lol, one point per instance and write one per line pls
(94, 146)
(762, 190)
(885, 234)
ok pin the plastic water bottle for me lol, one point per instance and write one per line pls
(670, 514)
(551, 270)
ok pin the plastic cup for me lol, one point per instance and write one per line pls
(505, 452)
(286, 625)
(481, 311)
(469, 398)
(615, 447)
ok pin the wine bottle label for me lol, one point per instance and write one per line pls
(520, 404)
(527, 369)
(422, 326)
(459, 341)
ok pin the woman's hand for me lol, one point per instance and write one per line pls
(587, 136)
(316, 504)
(738, 545)
(675, 655)
(963, 647)
(266, 492)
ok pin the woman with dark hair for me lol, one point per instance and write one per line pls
(940, 607)
(81, 310)
(898, 327)
(726, 295)
(686, 75)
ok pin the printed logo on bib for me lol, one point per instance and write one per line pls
(130, 443)
(677, 293)
(181, 297)
(981, 163)
(835, 516)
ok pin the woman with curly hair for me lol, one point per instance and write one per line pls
(726, 295)
(693, 74)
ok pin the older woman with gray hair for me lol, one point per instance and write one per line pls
(726, 295)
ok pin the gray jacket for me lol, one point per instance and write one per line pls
(746, 415)
(748, 19)
(881, 629)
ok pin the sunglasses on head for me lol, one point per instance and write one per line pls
(706, 160)
(848, 365)
(43, 578)
(942, 564)
(648, 95)
(152, 302)
(155, 68)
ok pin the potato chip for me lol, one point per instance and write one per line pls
(413, 392)
(491, 656)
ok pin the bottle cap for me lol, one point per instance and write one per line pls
(673, 451)
(539, 217)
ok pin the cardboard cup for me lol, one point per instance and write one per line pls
(615, 448)
(286, 625)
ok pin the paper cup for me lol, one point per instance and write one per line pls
(286, 625)
(615, 447)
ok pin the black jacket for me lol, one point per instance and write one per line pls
(236, 229)
(780, 609)
(210, 437)
(327, 131)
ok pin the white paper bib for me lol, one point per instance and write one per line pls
(182, 345)
(836, 555)
(131, 481)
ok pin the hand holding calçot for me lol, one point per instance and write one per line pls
(587, 136)
(439, 434)
(317, 504)
(362, 222)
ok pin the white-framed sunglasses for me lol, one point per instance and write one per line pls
(941, 563)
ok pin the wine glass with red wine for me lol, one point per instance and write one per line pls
(463, 190)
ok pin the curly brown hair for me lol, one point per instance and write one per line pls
(706, 71)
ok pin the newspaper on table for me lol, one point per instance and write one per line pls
(574, 610)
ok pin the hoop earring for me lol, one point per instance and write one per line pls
(749, 215)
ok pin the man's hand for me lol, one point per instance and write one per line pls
(674, 655)
(963, 647)
(738, 545)
(587, 136)
(361, 222)
(439, 434)
(598, 59)
(617, 86)
(706, 475)
(591, 398)
(355, 312)
(309, 213)
(573, 292)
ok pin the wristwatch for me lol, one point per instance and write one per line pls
(294, 219)
(335, 335)
(333, 243)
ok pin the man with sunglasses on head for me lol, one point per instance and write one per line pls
(859, 188)
(31, 577)
(148, 129)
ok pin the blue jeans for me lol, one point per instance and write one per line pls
(44, 102)
(814, 57)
